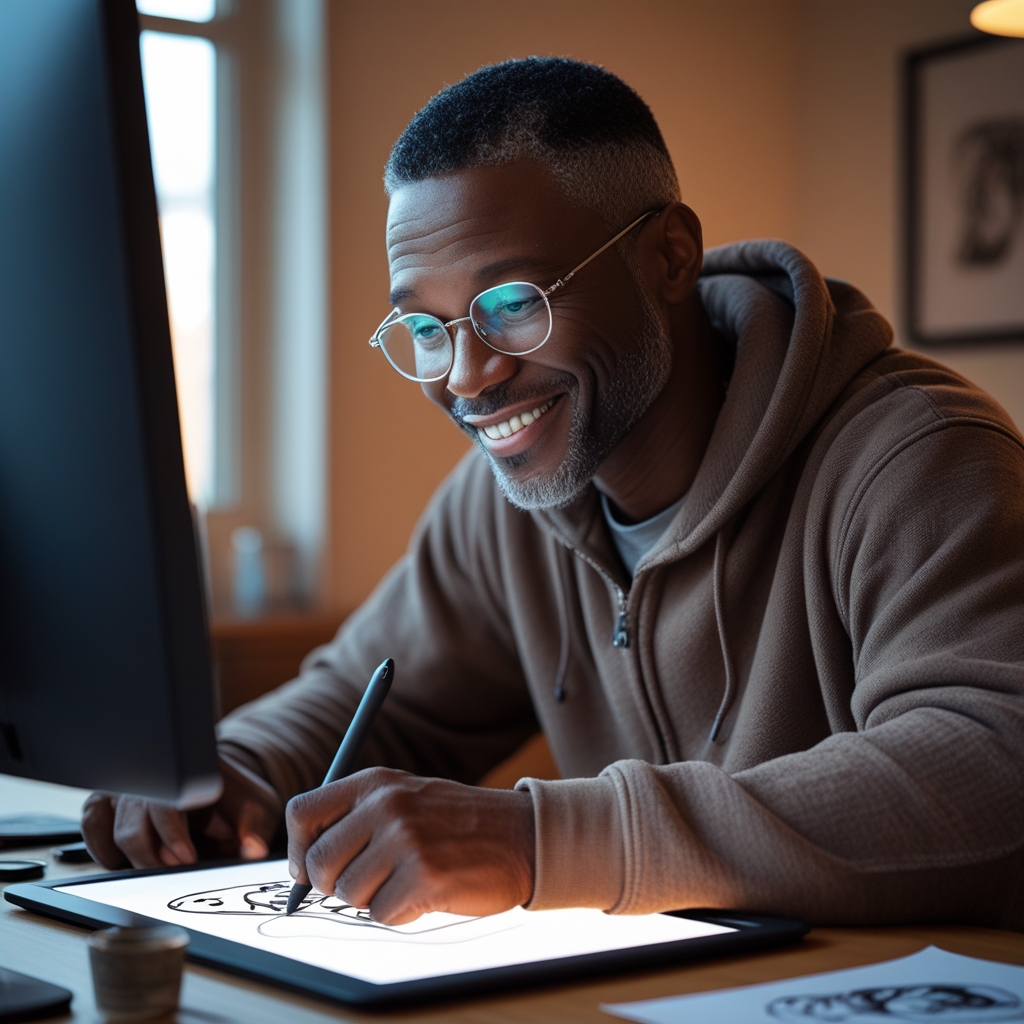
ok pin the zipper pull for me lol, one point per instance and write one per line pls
(620, 638)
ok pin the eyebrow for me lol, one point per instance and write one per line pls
(496, 269)
(503, 266)
(400, 293)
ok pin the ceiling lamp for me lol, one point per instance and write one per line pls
(1000, 17)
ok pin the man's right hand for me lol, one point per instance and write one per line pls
(147, 833)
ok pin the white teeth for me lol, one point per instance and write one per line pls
(496, 431)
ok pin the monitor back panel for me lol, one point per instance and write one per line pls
(105, 678)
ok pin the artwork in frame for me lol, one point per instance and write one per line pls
(964, 201)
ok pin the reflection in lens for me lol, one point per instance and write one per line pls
(513, 318)
(418, 346)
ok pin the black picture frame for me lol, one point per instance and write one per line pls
(963, 266)
(753, 932)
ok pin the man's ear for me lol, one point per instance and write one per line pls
(677, 252)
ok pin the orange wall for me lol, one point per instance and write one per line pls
(721, 78)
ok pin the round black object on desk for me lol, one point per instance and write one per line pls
(25, 998)
(21, 870)
(36, 830)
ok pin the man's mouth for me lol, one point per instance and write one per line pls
(517, 432)
(506, 428)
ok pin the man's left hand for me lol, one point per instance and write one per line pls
(402, 845)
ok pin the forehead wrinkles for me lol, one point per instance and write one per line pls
(418, 240)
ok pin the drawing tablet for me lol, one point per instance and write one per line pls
(235, 915)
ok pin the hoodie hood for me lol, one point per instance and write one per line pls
(800, 339)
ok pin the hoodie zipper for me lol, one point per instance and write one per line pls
(620, 634)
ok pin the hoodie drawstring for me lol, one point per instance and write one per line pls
(563, 630)
(721, 543)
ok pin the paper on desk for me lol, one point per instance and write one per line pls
(932, 986)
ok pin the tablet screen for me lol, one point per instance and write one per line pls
(245, 903)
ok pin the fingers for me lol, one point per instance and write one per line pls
(134, 833)
(255, 827)
(98, 830)
(252, 809)
(253, 831)
(309, 815)
(404, 845)
(151, 834)
(343, 860)
(402, 898)
(353, 833)
(171, 827)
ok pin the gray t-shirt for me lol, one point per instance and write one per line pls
(633, 542)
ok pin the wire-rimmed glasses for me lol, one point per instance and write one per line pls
(513, 318)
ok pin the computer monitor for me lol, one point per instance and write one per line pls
(105, 671)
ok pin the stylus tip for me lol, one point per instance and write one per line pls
(296, 896)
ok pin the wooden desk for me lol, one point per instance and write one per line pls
(57, 953)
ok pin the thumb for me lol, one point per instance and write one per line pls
(256, 826)
(252, 808)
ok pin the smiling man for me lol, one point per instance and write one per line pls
(756, 573)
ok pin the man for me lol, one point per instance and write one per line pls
(756, 574)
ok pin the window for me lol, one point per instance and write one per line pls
(235, 100)
(185, 112)
(179, 73)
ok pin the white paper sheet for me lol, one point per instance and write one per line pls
(246, 903)
(930, 987)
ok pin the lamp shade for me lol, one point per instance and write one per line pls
(1000, 17)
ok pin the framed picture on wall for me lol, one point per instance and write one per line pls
(964, 200)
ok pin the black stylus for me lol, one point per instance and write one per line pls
(373, 698)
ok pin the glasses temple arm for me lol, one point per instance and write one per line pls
(375, 340)
(562, 281)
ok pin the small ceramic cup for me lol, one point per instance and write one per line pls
(136, 972)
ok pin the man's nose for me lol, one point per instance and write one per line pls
(475, 366)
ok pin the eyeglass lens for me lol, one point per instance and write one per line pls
(512, 318)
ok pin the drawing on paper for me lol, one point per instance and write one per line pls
(320, 916)
(963, 1004)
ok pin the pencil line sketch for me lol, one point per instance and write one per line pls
(916, 1004)
(320, 916)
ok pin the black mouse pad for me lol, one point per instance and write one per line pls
(36, 830)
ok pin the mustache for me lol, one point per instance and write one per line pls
(509, 392)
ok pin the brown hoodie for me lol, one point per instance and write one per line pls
(810, 698)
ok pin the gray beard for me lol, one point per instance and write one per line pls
(641, 375)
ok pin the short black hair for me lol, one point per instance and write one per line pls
(572, 106)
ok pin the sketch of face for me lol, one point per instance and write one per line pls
(249, 900)
(269, 900)
(918, 1004)
(989, 161)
